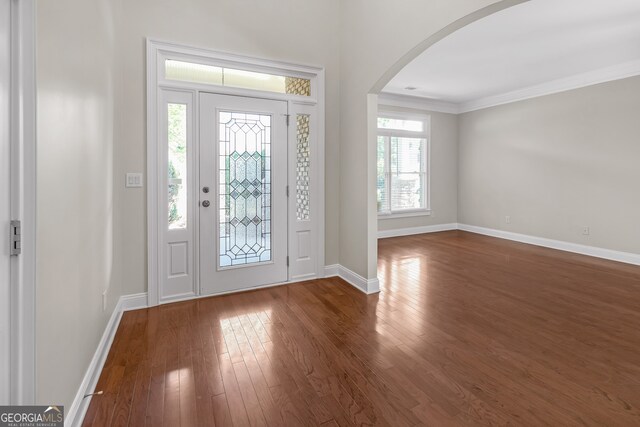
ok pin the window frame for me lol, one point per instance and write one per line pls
(426, 161)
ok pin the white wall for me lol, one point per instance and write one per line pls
(443, 175)
(78, 225)
(556, 164)
(289, 30)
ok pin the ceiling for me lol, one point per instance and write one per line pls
(538, 47)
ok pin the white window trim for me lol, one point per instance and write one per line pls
(157, 52)
(426, 135)
(407, 213)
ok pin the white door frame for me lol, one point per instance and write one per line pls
(23, 200)
(157, 52)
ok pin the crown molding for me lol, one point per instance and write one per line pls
(418, 103)
(603, 75)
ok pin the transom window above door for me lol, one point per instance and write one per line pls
(402, 165)
(225, 76)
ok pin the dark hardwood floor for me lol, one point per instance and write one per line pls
(467, 330)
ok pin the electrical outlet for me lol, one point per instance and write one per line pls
(507, 219)
(585, 231)
(104, 301)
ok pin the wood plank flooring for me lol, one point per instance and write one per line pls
(467, 330)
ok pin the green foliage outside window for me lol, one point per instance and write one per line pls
(177, 157)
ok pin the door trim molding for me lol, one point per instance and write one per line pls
(23, 200)
(157, 50)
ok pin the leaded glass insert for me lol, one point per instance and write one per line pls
(245, 188)
(177, 165)
(303, 167)
(297, 86)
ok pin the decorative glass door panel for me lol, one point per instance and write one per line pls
(244, 217)
(243, 201)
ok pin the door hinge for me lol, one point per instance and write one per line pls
(287, 191)
(287, 116)
(15, 238)
(287, 260)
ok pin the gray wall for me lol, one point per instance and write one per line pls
(288, 30)
(378, 36)
(444, 174)
(91, 86)
(91, 129)
(78, 221)
(556, 164)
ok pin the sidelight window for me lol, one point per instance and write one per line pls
(177, 165)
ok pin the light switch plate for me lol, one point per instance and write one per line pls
(133, 180)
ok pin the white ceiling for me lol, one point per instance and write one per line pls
(529, 48)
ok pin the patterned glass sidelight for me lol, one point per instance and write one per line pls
(303, 166)
(245, 188)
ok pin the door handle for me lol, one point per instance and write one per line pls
(206, 203)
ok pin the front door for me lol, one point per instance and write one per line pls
(243, 193)
(5, 195)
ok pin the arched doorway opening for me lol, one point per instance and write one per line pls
(372, 117)
(585, 56)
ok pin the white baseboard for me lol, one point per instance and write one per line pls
(133, 302)
(626, 257)
(332, 270)
(593, 251)
(78, 409)
(416, 230)
(76, 413)
(368, 286)
(193, 296)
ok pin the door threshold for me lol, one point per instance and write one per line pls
(183, 298)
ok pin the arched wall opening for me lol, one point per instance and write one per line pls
(372, 114)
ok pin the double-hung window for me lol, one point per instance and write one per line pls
(403, 165)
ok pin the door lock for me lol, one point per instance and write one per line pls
(206, 203)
